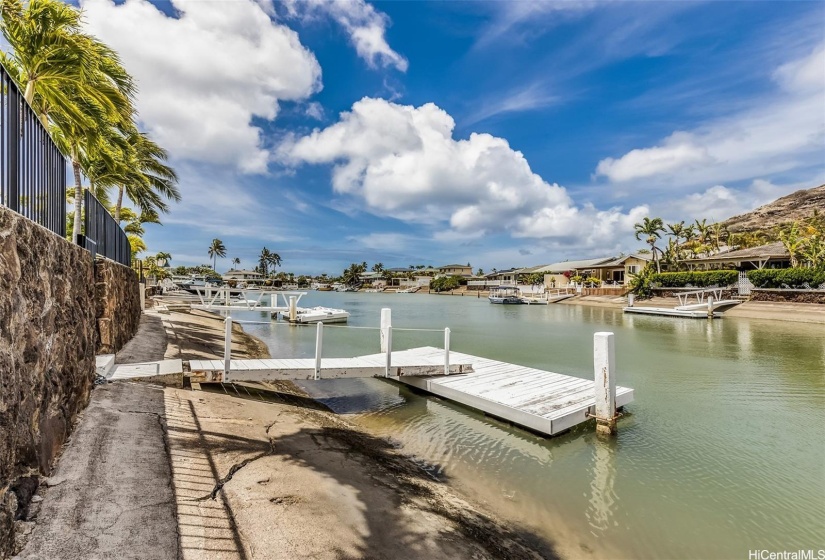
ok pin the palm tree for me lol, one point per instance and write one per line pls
(263, 261)
(275, 260)
(677, 230)
(134, 165)
(793, 242)
(650, 228)
(216, 249)
(352, 275)
(236, 261)
(689, 232)
(74, 82)
(378, 267)
(702, 229)
(163, 258)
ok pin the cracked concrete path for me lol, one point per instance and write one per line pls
(111, 495)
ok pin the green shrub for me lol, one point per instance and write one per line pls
(696, 279)
(593, 282)
(640, 283)
(576, 279)
(444, 283)
(790, 277)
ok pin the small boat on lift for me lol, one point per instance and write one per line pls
(319, 314)
(505, 296)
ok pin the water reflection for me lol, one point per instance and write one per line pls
(721, 453)
(602, 496)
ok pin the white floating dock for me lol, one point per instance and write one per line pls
(672, 312)
(540, 400)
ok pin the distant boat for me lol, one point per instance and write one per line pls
(505, 296)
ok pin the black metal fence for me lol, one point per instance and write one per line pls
(32, 168)
(102, 234)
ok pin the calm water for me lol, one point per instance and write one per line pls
(723, 450)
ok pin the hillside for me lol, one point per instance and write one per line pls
(795, 206)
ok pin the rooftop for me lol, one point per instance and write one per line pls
(774, 250)
(572, 265)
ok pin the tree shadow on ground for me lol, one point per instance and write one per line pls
(407, 491)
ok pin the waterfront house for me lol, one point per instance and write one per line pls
(772, 255)
(620, 270)
(502, 277)
(456, 270)
(557, 275)
(242, 276)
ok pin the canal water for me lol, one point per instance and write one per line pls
(722, 452)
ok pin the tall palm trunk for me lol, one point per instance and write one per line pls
(655, 258)
(119, 203)
(78, 199)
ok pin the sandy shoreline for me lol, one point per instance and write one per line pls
(767, 310)
(307, 441)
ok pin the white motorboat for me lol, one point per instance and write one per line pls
(320, 314)
(505, 296)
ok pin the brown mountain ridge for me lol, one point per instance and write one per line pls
(795, 206)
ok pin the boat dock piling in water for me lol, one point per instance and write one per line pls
(604, 364)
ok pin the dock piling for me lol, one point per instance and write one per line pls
(293, 309)
(604, 363)
(447, 351)
(227, 348)
(710, 307)
(386, 323)
(319, 344)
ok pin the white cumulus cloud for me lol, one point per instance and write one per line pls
(402, 161)
(206, 72)
(366, 27)
(784, 131)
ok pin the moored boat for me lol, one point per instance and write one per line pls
(505, 296)
(320, 314)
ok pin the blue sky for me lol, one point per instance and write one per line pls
(497, 133)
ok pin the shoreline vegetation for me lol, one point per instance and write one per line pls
(432, 510)
(766, 310)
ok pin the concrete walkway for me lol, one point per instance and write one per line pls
(111, 495)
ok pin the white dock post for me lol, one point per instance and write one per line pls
(226, 295)
(293, 309)
(447, 351)
(710, 307)
(604, 363)
(319, 343)
(386, 322)
(227, 348)
(389, 351)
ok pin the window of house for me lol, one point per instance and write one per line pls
(632, 269)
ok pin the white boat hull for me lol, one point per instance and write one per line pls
(321, 314)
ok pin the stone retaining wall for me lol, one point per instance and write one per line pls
(47, 355)
(794, 296)
(117, 305)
